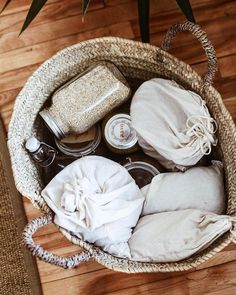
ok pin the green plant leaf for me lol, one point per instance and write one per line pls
(143, 12)
(186, 8)
(5, 5)
(85, 5)
(35, 7)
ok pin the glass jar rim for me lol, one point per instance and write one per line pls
(79, 152)
(142, 165)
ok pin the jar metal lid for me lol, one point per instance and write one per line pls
(119, 133)
(142, 172)
(76, 149)
(51, 123)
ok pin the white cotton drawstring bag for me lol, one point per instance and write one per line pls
(98, 201)
(173, 236)
(173, 124)
(197, 188)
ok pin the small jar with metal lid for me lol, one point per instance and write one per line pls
(85, 99)
(78, 145)
(119, 135)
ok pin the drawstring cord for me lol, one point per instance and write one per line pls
(202, 128)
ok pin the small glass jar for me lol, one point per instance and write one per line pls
(78, 145)
(142, 172)
(85, 99)
(119, 135)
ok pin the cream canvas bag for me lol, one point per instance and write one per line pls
(173, 124)
(173, 236)
(98, 201)
(197, 188)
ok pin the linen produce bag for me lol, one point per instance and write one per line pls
(98, 201)
(197, 188)
(173, 236)
(173, 124)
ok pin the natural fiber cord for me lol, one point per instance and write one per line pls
(138, 62)
(18, 270)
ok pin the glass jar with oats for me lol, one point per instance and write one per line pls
(85, 99)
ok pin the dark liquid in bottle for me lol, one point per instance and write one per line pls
(57, 166)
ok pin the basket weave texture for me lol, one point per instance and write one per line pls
(138, 62)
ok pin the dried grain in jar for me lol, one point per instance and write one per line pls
(86, 99)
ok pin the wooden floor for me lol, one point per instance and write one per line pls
(59, 25)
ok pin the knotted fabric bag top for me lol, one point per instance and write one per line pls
(173, 124)
(98, 201)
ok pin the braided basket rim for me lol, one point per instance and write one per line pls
(121, 51)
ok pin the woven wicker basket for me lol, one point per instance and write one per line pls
(138, 62)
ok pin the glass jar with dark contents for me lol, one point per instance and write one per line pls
(142, 167)
(142, 172)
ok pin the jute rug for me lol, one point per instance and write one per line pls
(18, 269)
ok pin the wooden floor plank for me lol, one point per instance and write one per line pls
(227, 87)
(7, 98)
(227, 66)
(111, 281)
(117, 14)
(19, 5)
(201, 282)
(41, 33)
(8, 79)
(160, 21)
(221, 33)
(226, 291)
(28, 55)
(31, 37)
(230, 103)
(52, 11)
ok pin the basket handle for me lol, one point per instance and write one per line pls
(203, 39)
(38, 251)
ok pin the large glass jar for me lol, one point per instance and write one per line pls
(85, 99)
